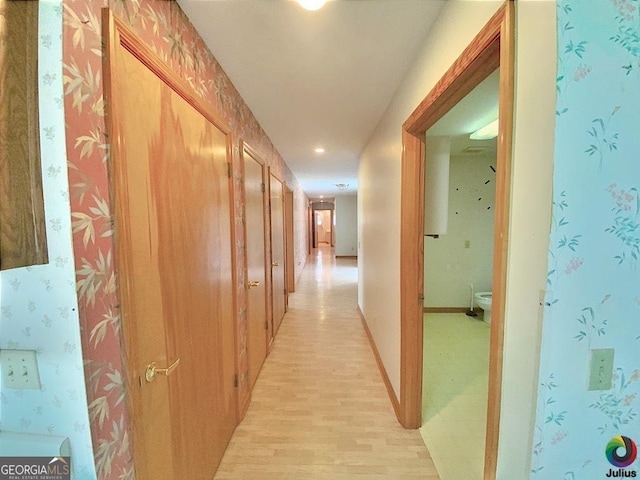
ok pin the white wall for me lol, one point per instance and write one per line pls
(379, 207)
(530, 220)
(449, 264)
(346, 231)
(301, 228)
(379, 177)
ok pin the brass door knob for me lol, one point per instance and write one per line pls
(275, 264)
(153, 370)
(252, 283)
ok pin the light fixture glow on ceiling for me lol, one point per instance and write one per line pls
(487, 132)
(342, 186)
(312, 5)
(319, 150)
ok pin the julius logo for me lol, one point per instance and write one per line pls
(621, 452)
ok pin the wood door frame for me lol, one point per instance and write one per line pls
(315, 231)
(23, 232)
(289, 233)
(309, 228)
(246, 149)
(116, 31)
(273, 328)
(494, 46)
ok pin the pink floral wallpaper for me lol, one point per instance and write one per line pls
(163, 26)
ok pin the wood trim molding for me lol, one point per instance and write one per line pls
(493, 47)
(383, 371)
(23, 237)
(411, 279)
(346, 256)
(445, 310)
(289, 227)
(245, 147)
(275, 175)
(138, 48)
(234, 265)
(270, 327)
(477, 61)
(243, 399)
(501, 236)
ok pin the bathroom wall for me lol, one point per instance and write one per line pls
(346, 230)
(39, 309)
(593, 295)
(450, 263)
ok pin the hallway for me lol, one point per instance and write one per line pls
(320, 409)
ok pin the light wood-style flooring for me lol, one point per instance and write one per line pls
(320, 409)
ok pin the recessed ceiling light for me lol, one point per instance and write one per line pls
(312, 5)
(487, 132)
(319, 150)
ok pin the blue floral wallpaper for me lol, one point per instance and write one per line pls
(39, 308)
(593, 285)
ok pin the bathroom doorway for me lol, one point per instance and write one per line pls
(493, 47)
(324, 228)
(460, 163)
(323, 223)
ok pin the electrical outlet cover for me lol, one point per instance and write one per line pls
(19, 369)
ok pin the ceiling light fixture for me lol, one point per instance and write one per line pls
(312, 5)
(319, 150)
(487, 132)
(342, 186)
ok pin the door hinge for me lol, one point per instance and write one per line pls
(421, 297)
(229, 169)
(235, 380)
(263, 186)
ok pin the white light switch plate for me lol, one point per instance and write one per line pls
(601, 369)
(19, 369)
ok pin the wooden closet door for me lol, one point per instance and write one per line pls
(254, 188)
(174, 255)
(278, 259)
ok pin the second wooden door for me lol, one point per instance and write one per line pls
(278, 258)
(254, 191)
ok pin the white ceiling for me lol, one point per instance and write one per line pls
(477, 109)
(316, 78)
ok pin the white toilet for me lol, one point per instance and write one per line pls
(483, 300)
